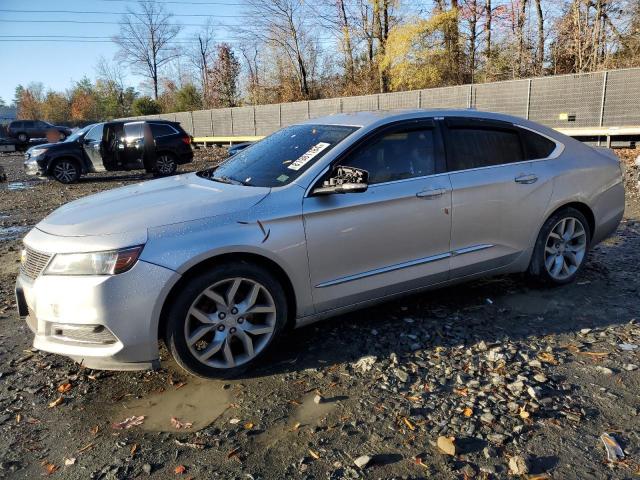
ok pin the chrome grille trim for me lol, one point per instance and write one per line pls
(34, 263)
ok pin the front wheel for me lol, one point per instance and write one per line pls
(224, 320)
(165, 164)
(561, 248)
(66, 171)
(23, 137)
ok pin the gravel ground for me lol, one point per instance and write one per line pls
(488, 380)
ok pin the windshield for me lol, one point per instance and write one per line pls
(280, 158)
(78, 133)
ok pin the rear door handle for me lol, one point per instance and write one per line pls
(526, 179)
(431, 193)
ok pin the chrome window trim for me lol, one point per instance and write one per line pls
(400, 266)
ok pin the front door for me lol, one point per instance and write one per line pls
(133, 146)
(498, 195)
(392, 238)
(92, 145)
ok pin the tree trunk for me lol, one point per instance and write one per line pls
(520, 34)
(487, 30)
(455, 43)
(348, 53)
(473, 35)
(540, 52)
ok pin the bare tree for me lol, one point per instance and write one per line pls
(520, 24)
(540, 49)
(282, 23)
(201, 57)
(145, 39)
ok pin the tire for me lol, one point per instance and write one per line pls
(561, 248)
(216, 328)
(66, 170)
(165, 164)
(23, 137)
(63, 136)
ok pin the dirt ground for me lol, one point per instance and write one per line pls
(515, 379)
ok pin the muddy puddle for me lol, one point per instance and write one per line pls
(10, 233)
(198, 402)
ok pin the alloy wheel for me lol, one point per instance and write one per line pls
(230, 322)
(165, 165)
(565, 248)
(65, 172)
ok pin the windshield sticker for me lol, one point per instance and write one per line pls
(283, 178)
(309, 155)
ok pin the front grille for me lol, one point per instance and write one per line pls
(34, 263)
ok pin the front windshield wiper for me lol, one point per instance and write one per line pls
(232, 181)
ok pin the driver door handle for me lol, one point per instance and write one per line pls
(431, 193)
(526, 179)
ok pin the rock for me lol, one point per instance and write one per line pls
(516, 387)
(534, 392)
(318, 399)
(630, 367)
(496, 438)
(487, 418)
(402, 375)
(540, 377)
(482, 346)
(362, 461)
(519, 465)
(495, 354)
(447, 445)
(146, 468)
(604, 370)
(489, 452)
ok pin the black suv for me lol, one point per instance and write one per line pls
(23, 130)
(156, 146)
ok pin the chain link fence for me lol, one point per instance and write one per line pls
(600, 99)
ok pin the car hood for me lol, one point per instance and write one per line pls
(150, 204)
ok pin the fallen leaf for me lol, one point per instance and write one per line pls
(64, 387)
(296, 426)
(128, 422)
(419, 461)
(410, 425)
(467, 412)
(18, 418)
(95, 430)
(69, 461)
(233, 452)
(314, 454)
(248, 426)
(134, 449)
(180, 469)
(447, 445)
(524, 414)
(56, 402)
(177, 424)
(538, 476)
(547, 357)
(461, 391)
(180, 385)
(50, 468)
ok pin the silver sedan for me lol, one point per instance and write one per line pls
(317, 219)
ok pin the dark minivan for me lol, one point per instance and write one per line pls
(24, 130)
(156, 146)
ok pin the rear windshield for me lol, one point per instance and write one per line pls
(282, 157)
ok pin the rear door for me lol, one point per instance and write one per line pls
(133, 151)
(392, 238)
(498, 194)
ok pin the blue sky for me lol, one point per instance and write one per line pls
(58, 64)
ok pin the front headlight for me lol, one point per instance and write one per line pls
(110, 262)
(36, 152)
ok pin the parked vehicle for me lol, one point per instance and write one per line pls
(317, 219)
(157, 146)
(24, 130)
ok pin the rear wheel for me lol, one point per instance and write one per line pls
(561, 248)
(224, 320)
(23, 137)
(165, 164)
(65, 170)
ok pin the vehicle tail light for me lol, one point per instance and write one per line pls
(187, 140)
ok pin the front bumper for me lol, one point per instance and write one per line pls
(35, 166)
(105, 322)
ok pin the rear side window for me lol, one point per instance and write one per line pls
(133, 131)
(28, 124)
(16, 125)
(536, 146)
(160, 130)
(482, 147)
(396, 156)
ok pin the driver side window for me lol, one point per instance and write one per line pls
(95, 134)
(397, 155)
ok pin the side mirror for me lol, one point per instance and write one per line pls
(344, 180)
